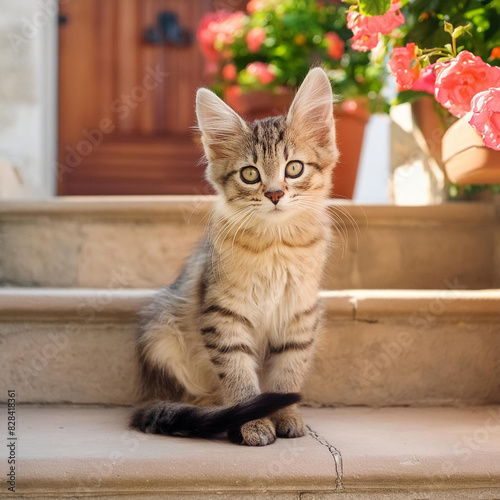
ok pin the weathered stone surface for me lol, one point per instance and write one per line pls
(378, 348)
(387, 361)
(393, 448)
(137, 254)
(142, 242)
(36, 252)
(360, 453)
(28, 100)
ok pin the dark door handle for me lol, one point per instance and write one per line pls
(168, 31)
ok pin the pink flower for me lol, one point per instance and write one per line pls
(229, 72)
(217, 29)
(233, 92)
(262, 71)
(335, 45)
(256, 6)
(486, 116)
(461, 79)
(366, 29)
(426, 81)
(405, 66)
(255, 38)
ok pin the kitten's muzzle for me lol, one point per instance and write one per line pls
(274, 196)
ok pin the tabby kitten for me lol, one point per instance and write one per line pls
(243, 316)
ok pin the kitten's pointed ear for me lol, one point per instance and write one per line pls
(311, 113)
(220, 126)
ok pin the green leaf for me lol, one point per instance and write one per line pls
(448, 27)
(461, 30)
(374, 7)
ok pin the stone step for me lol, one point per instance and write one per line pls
(141, 242)
(361, 453)
(378, 347)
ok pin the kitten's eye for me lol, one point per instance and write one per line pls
(294, 169)
(250, 175)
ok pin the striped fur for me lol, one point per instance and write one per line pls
(243, 316)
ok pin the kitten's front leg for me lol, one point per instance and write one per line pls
(287, 367)
(226, 335)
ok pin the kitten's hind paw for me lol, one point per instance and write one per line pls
(259, 432)
(289, 424)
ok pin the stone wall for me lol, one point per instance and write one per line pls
(28, 72)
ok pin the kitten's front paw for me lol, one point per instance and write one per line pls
(255, 433)
(290, 424)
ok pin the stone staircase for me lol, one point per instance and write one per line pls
(114, 242)
(402, 400)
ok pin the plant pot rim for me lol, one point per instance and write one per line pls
(466, 158)
(468, 137)
(360, 109)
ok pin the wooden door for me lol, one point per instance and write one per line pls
(126, 106)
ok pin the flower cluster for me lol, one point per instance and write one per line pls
(486, 116)
(274, 44)
(460, 81)
(216, 31)
(368, 29)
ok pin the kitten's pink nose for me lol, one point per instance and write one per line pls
(274, 196)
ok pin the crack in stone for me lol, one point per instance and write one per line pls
(337, 457)
(370, 321)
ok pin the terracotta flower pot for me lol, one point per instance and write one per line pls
(351, 119)
(467, 160)
(260, 103)
(430, 125)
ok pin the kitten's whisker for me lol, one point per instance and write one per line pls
(335, 220)
(343, 210)
(246, 221)
(350, 219)
(227, 225)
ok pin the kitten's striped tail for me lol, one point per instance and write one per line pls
(180, 419)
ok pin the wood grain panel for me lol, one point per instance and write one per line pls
(147, 144)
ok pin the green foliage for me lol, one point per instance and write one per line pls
(429, 23)
(472, 191)
(374, 7)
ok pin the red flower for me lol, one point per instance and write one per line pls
(486, 116)
(229, 72)
(233, 92)
(461, 79)
(405, 66)
(495, 53)
(255, 38)
(256, 5)
(335, 45)
(217, 29)
(262, 71)
(366, 29)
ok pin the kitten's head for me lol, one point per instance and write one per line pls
(274, 166)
